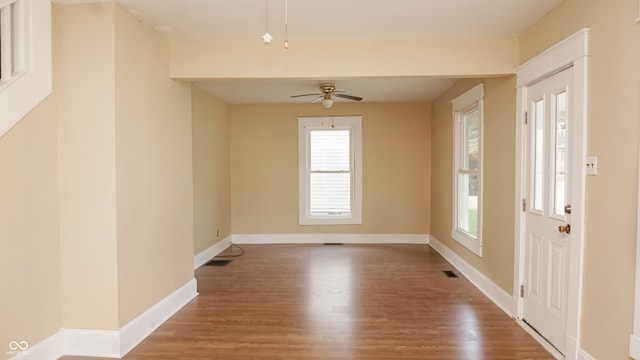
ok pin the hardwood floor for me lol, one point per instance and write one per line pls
(337, 302)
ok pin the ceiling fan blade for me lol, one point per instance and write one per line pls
(350, 97)
(301, 95)
(318, 99)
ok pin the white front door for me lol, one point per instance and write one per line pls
(548, 207)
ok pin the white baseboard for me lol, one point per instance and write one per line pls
(330, 238)
(583, 355)
(142, 326)
(117, 343)
(95, 343)
(50, 348)
(488, 287)
(211, 252)
(634, 347)
(571, 348)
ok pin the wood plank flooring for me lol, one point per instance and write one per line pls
(337, 302)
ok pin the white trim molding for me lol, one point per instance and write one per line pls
(50, 348)
(95, 343)
(634, 339)
(307, 126)
(117, 343)
(331, 238)
(470, 101)
(142, 326)
(573, 52)
(583, 355)
(211, 252)
(494, 292)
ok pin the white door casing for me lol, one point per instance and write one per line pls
(548, 184)
(569, 53)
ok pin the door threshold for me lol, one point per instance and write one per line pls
(547, 345)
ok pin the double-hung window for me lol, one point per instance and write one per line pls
(330, 170)
(25, 58)
(467, 203)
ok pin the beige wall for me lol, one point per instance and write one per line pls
(96, 217)
(613, 128)
(154, 183)
(396, 169)
(498, 177)
(115, 139)
(86, 72)
(199, 59)
(29, 229)
(211, 169)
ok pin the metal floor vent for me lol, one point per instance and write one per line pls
(333, 243)
(218, 262)
(450, 274)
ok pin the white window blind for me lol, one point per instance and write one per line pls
(330, 177)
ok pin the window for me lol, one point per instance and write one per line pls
(467, 203)
(330, 170)
(11, 46)
(25, 58)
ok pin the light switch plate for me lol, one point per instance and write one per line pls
(592, 165)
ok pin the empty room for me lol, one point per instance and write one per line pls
(274, 179)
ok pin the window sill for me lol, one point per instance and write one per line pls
(468, 242)
(330, 221)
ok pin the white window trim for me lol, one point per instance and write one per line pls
(464, 101)
(24, 90)
(305, 125)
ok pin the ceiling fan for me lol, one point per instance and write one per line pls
(327, 92)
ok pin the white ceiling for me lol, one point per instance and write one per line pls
(234, 20)
(270, 91)
(330, 20)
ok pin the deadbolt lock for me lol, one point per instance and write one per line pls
(565, 229)
(567, 209)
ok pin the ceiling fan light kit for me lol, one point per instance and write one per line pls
(266, 38)
(326, 94)
(327, 102)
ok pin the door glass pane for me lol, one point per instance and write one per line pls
(468, 203)
(560, 113)
(538, 154)
(471, 136)
(330, 194)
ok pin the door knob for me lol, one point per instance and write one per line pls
(565, 229)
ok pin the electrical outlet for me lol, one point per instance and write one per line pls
(592, 165)
(218, 233)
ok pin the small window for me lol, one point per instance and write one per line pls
(25, 58)
(12, 34)
(330, 175)
(467, 203)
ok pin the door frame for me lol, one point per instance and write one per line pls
(570, 52)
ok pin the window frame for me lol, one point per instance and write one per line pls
(30, 54)
(305, 126)
(461, 105)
